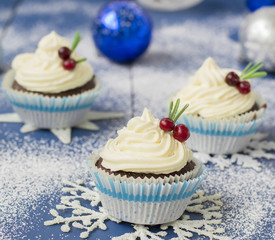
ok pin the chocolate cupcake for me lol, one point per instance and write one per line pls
(51, 90)
(189, 167)
(145, 170)
(224, 112)
(86, 87)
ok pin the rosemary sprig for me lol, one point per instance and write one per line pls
(76, 41)
(173, 110)
(170, 109)
(251, 71)
(181, 112)
(81, 60)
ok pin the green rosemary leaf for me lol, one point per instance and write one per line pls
(253, 69)
(170, 109)
(255, 75)
(251, 72)
(246, 68)
(257, 67)
(181, 111)
(76, 41)
(81, 60)
(175, 109)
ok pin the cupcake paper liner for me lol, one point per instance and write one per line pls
(49, 112)
(149, 213)
(145, 203)
(223, 136)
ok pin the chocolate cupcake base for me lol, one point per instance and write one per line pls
(190, 166)
(86, 87)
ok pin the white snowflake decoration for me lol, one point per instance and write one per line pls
(257, 148)
(141, 232)
(210, 216)
(89, 219)
(63, 134)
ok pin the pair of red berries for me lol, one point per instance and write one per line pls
(250, 71)
(233, 79)
(68, 63)
(180, 131)
(65, 54)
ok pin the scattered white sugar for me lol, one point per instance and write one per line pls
(4, 16)
(32, 172)
(247, 198)
(33, 169)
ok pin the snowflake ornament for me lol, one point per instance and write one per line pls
(257, 148)
(204, 226)
(63, 134)
(141, 232)
(206, 209)
(82, 217)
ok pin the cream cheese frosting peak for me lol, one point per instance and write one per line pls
(42, 71)
(209, 74)
(209, 96)
(142, 146)
(50, 41)
(147, 116)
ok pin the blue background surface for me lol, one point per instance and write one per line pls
(181, 41)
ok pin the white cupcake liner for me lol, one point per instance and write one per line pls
(176, 178)
(49, 112)
(144, 203)
(224, 136)
(218, 144)
(149, 213)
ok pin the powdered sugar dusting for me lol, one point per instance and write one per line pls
(248, 197)
(32, 165)
(32, 170)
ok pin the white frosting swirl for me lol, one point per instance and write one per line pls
(144, 147)
(211, 97)
(42, 71)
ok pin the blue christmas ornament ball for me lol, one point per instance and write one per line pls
(255, 4)
(122, 31)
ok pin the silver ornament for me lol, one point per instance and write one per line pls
(257, 38)
(169, 5)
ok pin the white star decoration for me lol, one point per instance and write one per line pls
(63, 134)
(88, 219)
(257, 148)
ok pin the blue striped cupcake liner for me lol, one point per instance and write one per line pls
(50, 112)
(145, 203)
(223, 136)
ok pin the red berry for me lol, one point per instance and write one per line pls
(232, 79)
(167, 124)
(181, 133)
(69, 64)
(244, 87)
(64, 53)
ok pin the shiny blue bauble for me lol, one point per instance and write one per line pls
(255, 4)
(122, 31)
